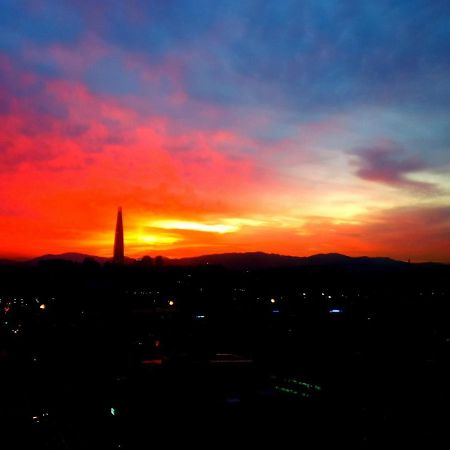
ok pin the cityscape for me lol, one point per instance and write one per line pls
(224, 223)
(99, 354)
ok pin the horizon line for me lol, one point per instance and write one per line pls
(153, 256)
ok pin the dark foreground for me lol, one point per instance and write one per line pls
(105, 358)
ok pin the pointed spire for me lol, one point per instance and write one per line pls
(119, 257)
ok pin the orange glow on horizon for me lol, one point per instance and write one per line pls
(185, 193)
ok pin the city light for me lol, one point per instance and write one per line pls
(152, 362)
(42, 306)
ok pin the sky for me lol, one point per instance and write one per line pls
(225, 126)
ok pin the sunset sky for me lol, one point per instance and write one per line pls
(284, 126)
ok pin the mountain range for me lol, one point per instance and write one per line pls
(241, 261)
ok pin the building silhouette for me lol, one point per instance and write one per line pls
(118, 257)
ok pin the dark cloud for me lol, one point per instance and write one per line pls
(390, 164)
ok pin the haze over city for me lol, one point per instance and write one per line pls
(288, 127)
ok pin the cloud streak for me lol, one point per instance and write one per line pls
(390, 164)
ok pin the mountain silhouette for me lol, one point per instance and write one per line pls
(73, 257)
(248, 261)
(261, 260)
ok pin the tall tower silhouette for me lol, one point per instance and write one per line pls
(118, 257)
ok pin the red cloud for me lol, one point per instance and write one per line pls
(67, 169)
(69, 157)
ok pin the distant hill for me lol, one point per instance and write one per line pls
(250, 260)
(7, 262)
(260, 260)
(73, 257)
(254, 260)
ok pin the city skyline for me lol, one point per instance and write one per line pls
(294, 128)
